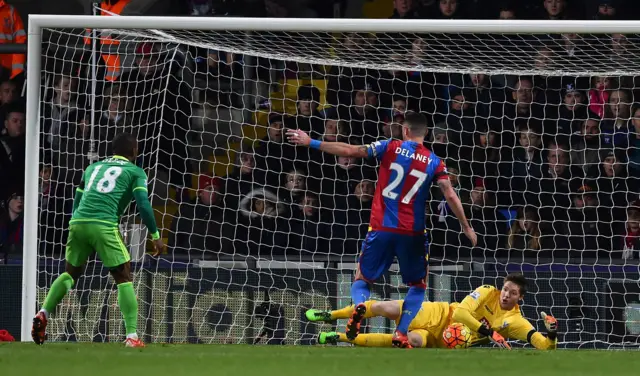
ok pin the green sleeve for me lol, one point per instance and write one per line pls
(146, 212)
(139, 180)
(78, 196)
(140, 194)
(76, 199)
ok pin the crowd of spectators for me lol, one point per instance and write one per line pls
(544, 164)
(547, 167)
(12, 164)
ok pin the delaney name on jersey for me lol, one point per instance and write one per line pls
(407, 153)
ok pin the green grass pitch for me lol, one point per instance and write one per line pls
(238, 360)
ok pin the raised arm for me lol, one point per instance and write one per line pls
(340, 149)
(454, 203)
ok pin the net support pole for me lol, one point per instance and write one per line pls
(32, 163)
(94, 83)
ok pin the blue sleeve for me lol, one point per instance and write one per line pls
(377, 149)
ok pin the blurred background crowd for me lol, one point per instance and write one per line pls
(547, 166)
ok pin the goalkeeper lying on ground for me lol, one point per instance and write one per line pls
(491, 314)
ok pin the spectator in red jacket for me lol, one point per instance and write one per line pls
(12, 32)
(599, 94)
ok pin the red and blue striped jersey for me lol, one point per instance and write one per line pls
(406, 172)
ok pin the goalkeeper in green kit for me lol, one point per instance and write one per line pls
(104, 193)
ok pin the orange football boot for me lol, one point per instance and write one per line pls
(130, 342)
(353, 325)
(39, 328)
(400, 340)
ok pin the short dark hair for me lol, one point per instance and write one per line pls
(416, 122)
(5, 76)
(17, 106)
(507, 6)
(526, 78)
(626, 93)
(124, 144)
(308, 93)
(519, 280)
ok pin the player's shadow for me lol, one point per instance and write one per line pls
(272, 316)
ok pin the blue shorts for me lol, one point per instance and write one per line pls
(380, 247)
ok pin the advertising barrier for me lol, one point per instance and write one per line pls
(216, 305)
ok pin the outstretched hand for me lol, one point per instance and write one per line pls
(298, 137)
(550, 322)
(499, 340)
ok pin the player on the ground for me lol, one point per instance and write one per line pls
(104, 193)
(397, 225)
(491, 314)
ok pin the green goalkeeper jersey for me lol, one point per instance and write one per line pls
(106, 190)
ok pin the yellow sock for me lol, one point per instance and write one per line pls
(369, 340)
(345, 313)
(342, 313)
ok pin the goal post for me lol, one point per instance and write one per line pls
(313, 41)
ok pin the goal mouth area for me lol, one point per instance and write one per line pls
(209, 297)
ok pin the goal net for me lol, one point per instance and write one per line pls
(537, 127)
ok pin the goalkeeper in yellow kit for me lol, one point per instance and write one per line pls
(492, 315)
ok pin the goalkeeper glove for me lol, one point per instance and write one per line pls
(551, 323)
(499, 340)
(495, 337)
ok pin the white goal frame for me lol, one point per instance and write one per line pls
(39, 22)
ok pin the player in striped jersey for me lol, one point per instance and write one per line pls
(397, 224)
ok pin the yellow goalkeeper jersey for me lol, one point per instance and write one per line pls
(482, 306)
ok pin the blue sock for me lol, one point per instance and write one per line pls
(410, 307)
(360, 292)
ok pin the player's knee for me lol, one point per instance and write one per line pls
(421, 284)
(67, 279)
(360, 277)
(121, 273)
(415, 339)
(74, 271)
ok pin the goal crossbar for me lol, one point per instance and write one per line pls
(339, 25)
